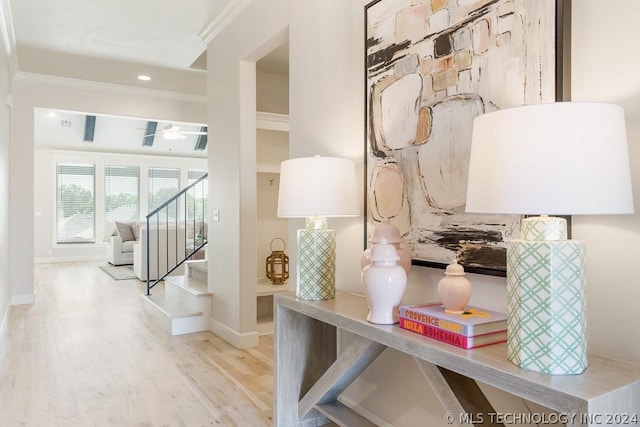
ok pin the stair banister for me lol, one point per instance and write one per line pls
(186, 254)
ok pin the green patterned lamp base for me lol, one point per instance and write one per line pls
(316, 262)
(546, 306)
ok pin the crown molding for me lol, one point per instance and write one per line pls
(272, 121)
(221, 22)
(70, 83)
(8, 36)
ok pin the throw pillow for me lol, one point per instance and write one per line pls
(109, 230)
(125, 231)
(135, 227)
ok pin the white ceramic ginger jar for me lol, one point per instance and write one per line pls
(454, 289)
(384, 283)
(385, 232)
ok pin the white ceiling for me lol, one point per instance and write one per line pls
(64, 130)
(156, 32)
(114, 41)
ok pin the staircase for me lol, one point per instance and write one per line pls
(176, 235)
(185, 305)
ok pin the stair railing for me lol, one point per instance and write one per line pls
(179, 227)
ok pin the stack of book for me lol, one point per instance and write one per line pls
(474, 328)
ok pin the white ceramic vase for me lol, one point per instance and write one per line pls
(385, 232)
(384, 283)
(454, 289)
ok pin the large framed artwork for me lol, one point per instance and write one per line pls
(431, 67)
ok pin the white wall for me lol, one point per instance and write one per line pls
(5, 136)
(272, 92)
(604, 67)
(272, 147)
(260, 28)
(45, 247)
(31, 92)
(326, 113)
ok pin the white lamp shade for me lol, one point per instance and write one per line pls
(317, 186)
(565, 158)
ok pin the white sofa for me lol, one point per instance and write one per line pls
(119, 252)
(167, 248)
(120, 238)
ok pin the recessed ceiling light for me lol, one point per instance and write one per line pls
(144, 77)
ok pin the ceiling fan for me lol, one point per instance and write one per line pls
(173, 132)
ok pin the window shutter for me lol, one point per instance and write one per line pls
(122, 193)
(75, 201)
(164, 183)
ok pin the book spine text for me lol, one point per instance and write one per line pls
(434, 321)
(435, 333)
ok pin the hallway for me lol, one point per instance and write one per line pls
(86, 354)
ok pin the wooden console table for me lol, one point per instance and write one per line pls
(310, 375)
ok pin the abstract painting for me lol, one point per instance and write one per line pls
(431, 67)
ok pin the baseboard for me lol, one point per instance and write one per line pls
(3, 325)
(364, 412)
(23, 299)
(246, 340)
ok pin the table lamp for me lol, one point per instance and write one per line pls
(316, 188)
(565, 158)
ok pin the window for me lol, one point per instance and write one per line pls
(194, 175)
(75, 203)
(122, 193)
(164, 183)
(197, 196)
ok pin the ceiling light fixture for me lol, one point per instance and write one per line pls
(172, 132)
(144, 77)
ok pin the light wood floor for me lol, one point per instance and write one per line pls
(85, 354)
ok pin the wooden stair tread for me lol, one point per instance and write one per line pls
(171, 307)
(189, 284)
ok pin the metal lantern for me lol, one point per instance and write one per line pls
(277, 264)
